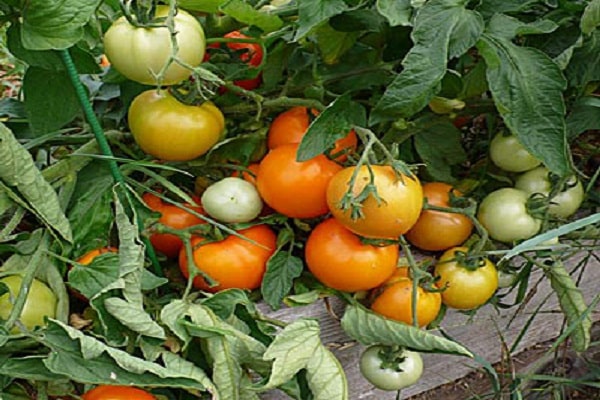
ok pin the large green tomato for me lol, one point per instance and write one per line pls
(172, 131)
(40, 302)
(141, 53)
(565, 203)
(504, 214)
(510, 155)
(390, 375)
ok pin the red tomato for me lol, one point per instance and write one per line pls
(233, 262)
(174, 217)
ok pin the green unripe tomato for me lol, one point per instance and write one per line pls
(141, 53)
(406, 372)
(510, 155)
(40, 302)
(504, 214)
(232, 200)
(565, 203)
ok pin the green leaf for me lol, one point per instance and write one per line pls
(474, 82)
(491, 7)
(227, 347)
(312, 13)
(291, 351)
(30, 368)
(91, 213)
(584, 116)
(41, 88)
(508, 27)
(590, 19)
(333, 44)
(245, 13)
(92, 279)
(397, 12)
(442, 29)
(326, 377)
(55, 24)
(46, 59)
(18, 171)
(585, 63)
(86, 359)
(572, 303)
(332, 124)
(370, 328)
(130, 315)
(439, 146)
(527, 89)
(282, 269)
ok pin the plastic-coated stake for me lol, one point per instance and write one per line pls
(102, 142)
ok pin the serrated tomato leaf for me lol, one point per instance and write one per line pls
(370, 328)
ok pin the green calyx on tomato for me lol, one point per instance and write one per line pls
(40, 302)
(565, 195)
(467, 282)
(509, 154)
(172, 131)
(142, 53)
(389, 368)
(504, 214)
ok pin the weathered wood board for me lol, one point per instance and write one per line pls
(482, 334)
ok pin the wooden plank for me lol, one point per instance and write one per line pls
(482, 334)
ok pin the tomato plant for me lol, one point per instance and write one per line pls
(292, 188)
(141, 53)
(117, 392)
(290, 126)
(392, 213)
(339, 259)
(232, 200)
(390, 370)
(89, 256)
(466, 286)
(40, 302)
(566, 201)
(438, 230)
(234, 262)
(249, 174)
(174, 217)
(509, 154)
(169, 130)
(505, 215)
(394, 301)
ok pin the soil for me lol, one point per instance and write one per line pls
(567, 372)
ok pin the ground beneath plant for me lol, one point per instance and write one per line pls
(567, 369)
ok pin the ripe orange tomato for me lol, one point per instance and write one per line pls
(233, 262)
(173, 217)
(88, 257)
(401, 201)
(116, 392)
(295, 189)
(338, 258)
(436, 230)
(395, 302)
(290, 126)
